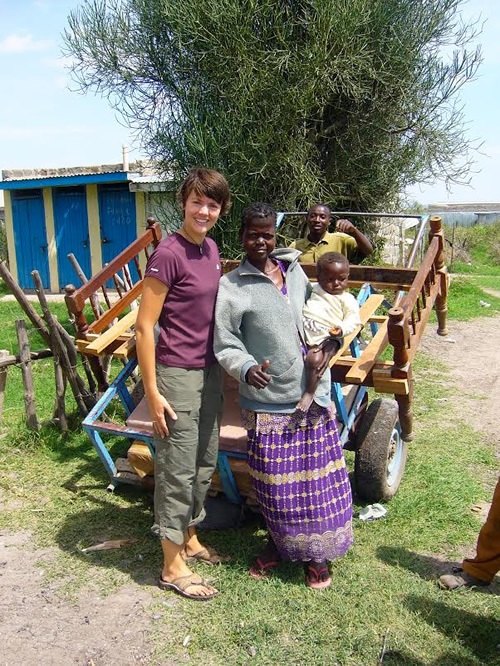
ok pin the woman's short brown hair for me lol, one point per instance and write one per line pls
(206, 183)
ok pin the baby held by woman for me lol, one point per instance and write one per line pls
(330, 313)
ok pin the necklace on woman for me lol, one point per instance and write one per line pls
(276, 276)
(274, 268)
(200, 245)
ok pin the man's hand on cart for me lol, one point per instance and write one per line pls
(257, 375)
(158, 408)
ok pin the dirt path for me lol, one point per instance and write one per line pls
(38, 627)
(471, 351)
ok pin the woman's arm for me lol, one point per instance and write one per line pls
(153, 296)
(229, 347)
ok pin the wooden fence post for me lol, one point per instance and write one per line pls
(27, 374)
(3, 380)
(57, 344)
(60, 383)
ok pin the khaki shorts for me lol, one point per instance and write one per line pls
(186, 459)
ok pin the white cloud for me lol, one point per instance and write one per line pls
(23, 44)
(62, 62)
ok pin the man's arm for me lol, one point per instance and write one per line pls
(347, 227)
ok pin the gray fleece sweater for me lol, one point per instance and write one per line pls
(254, 322)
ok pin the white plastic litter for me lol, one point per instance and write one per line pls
(372, 512)
(485, 304)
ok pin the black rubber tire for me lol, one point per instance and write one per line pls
(380, 452)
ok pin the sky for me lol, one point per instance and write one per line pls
(44, 124)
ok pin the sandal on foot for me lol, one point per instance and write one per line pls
(182, 584)
(317, 575)
(460, 578)
(207, 555)
(260, 568)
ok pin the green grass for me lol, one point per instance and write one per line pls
(466, 295)
(476, 250)
(10, 311)
(54, 486)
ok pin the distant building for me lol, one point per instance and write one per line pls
(466, 214)
(92, 212)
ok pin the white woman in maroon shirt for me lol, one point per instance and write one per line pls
(182, 379)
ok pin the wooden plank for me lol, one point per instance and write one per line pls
(385, 276)
(384, 383)
(99, 345)
(82, 345)
(365, 312)
(379, 378)
(394, 286)
(126, 350)
(116, 310)
(364, 364)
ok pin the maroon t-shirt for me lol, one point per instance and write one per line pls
(187, 318)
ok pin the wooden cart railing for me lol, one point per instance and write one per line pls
(107, 333)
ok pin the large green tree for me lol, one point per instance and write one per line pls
(343, 101)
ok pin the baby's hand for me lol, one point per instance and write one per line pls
(335, 331)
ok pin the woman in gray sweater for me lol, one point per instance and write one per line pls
(295, 457)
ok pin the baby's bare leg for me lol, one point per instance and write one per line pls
(313, 359)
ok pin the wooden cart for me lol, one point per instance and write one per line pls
(377, 431)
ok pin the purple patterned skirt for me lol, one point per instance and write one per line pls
(301, 483)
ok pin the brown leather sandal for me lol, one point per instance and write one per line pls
(207, 555)
(182, 584)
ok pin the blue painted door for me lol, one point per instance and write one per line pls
(72, 232)
(30, 237)
(118, 220)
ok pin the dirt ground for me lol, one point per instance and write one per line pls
(38, 626)
(471, 351)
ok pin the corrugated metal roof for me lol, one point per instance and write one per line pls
(63, 172)
(151, 183)
(142, 174)
(62, 181)
(148, 179)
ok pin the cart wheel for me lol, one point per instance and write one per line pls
(380, 452)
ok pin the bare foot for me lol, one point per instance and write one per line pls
(305, 402)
